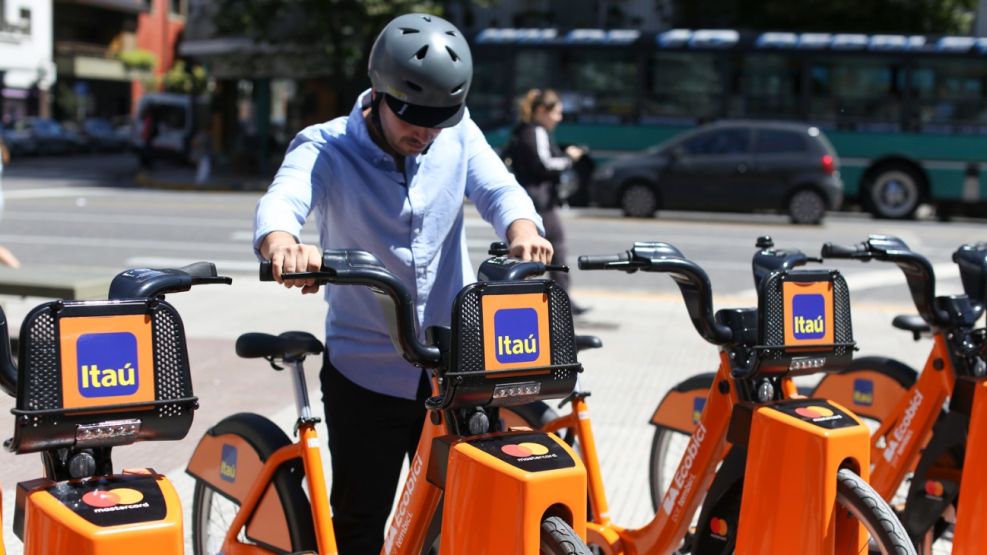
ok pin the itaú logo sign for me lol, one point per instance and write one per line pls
(808, 316)
(107, 364)
(516, 333)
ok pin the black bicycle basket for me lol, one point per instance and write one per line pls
(512, 343)
(101, 373)
(805, 325)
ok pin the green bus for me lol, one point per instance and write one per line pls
(907, 114)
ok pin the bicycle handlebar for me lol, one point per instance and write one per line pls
(145, 283)
(135, 283)
(357, 267)
(919, 275)
(691, 279)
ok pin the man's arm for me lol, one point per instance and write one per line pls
(526, 243)
(288, 255)
(502, 201)
(282, 211)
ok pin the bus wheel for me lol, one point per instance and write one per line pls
(893, 192)
(806, 207)
(639, 200)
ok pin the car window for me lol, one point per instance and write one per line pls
(719, 142)
(774, 141)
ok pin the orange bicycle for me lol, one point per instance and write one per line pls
(485, 490)
(933, 426)
(771, 472)
(91, 376)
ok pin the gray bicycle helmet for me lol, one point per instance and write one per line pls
(423, 66)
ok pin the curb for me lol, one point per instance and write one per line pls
(146, 181)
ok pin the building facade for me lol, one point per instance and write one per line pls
(27, 71)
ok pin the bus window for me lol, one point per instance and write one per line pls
(856, 93)
(599, 85)
(950, 95)
(770, 86)
(684, 87)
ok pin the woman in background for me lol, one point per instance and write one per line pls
(538, 162)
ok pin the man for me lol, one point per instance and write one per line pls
(391, 179)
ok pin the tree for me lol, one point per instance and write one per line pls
(340, 30)
(850, 16)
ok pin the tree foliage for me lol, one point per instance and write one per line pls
(852, 16)
(340, 30)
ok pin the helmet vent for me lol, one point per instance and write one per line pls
(457, 89)
(420, 55)
(414, 86)
(427, 18)
(451, 33)
(408, 30)
(452, 54)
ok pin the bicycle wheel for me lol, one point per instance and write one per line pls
(213, 512)
(558, 538)
(667, 448)
(862, 503)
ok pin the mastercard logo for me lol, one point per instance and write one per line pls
(934, 488)
(718, 526)
(111, 498)
(526, 449)
(813, 412)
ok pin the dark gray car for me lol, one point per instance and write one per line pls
(737, 166)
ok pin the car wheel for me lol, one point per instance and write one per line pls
(639, 200)
(894, 192)
(806, 207)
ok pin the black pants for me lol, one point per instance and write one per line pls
(369, 436)
(543, 196)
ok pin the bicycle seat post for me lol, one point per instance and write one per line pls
(302, 404)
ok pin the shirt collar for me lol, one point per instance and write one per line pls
(356, 126)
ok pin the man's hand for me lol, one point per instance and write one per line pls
(287, 256)
(527, 244)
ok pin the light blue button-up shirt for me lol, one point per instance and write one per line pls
(412, 221)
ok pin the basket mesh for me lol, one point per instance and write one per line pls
(469, 340)
(40, 368)
(774, 323)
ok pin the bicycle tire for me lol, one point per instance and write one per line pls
(887, 534)
(213, 512)
(558, 538)
(662, 453)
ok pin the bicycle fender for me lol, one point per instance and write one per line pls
(871, 386)
(229, 457)
(682, 406)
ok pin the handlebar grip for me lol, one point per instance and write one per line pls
(601, 261)
(266, 270)
(829, 250)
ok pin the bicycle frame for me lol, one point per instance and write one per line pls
(522, 477)
(917, 433)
